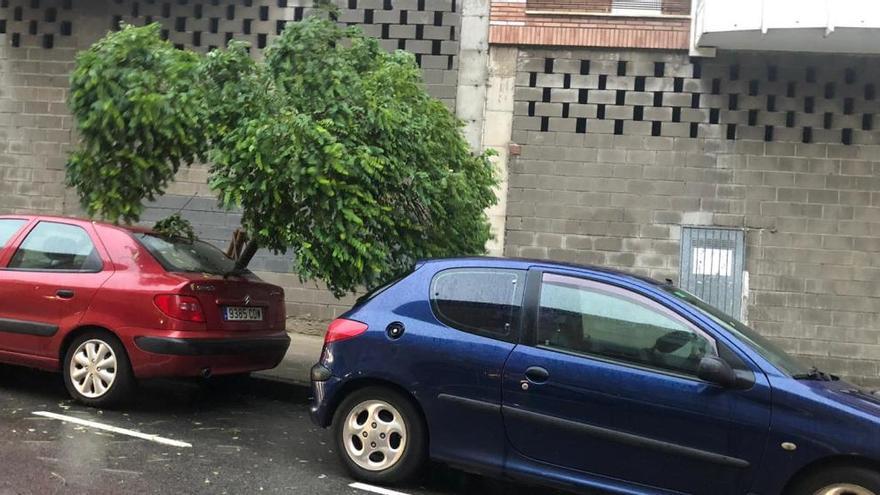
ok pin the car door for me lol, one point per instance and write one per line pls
(607, 385)
(46, 285)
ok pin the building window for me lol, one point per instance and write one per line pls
(647, 7)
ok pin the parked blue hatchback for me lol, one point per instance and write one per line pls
(583, 378)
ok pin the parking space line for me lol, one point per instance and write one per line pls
(374, 489)
(113, 429)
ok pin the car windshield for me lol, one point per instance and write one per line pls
(768, 350)
(183, 255)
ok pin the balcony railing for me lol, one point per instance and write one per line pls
(841, 26)
(614, 7)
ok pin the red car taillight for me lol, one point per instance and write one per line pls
(341, 329)
(186, 308)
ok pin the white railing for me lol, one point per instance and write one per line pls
(803, 25)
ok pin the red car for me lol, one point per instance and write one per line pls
(108, 305)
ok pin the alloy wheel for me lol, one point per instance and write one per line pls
(844, 489)
(375, 435)
(93, 368)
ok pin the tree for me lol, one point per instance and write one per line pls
(331, 147)
(139, 118)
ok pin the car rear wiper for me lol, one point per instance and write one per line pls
(815, 374)
(236, 272)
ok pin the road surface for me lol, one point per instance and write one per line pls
(183, 437)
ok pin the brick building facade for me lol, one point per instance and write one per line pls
(613, 143)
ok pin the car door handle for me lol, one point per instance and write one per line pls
(537, 374)
(64, 294)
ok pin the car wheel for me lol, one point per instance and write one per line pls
(97, 372)
(839, 481)
(380, 436)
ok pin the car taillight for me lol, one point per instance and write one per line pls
(342, 329)
(186, 308)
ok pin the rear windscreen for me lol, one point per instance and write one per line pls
(183, 255)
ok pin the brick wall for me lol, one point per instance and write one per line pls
(513, 23)
(620, 149)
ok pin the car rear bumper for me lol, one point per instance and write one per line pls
(212, 347)
(160, 356)
(323, 392)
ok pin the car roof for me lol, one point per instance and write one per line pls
(526, 263)
(58, 218)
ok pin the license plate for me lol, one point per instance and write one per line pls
(235, 313)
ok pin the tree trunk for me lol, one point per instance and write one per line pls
(236, 244)
(244, 259)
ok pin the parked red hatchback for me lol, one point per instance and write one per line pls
(107, 305)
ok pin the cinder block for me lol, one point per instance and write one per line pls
(564, 95)
(619, 112)
(620, 82)
(676, 100)
(602, 96)
(548, 109)
(639, 98)
(550, 80)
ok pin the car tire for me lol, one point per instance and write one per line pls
(838, 480)
(380, 436)
(97, 371)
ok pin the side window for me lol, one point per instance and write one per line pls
(482, 301)
(8, 228)
(597, 319)
(57, 247)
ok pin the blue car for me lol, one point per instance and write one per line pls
(584, 379)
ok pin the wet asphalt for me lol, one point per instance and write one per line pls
(255, 437)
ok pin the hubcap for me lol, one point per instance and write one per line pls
(93, 368)
(844, 489)
(374, 435)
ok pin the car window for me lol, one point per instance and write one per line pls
(600, 320)
(8, 227)
(184, 255)
(479, 300)
(57, 247)
(767, 349)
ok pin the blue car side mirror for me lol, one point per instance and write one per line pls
(715, 370)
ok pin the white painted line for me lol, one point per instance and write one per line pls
(112, 429)
(374, 489)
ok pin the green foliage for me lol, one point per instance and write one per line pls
(175, 226)
(337, 155)
(139, 117)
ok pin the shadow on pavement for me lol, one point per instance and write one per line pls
(161, 395)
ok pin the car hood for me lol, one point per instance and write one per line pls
(864, 401)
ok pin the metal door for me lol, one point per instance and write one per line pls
(712, 261)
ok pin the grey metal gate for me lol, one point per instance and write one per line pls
(712, 261)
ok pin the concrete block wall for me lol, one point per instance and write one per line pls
(35, 126)
(621, 149)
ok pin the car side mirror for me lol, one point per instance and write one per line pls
(715, 370)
